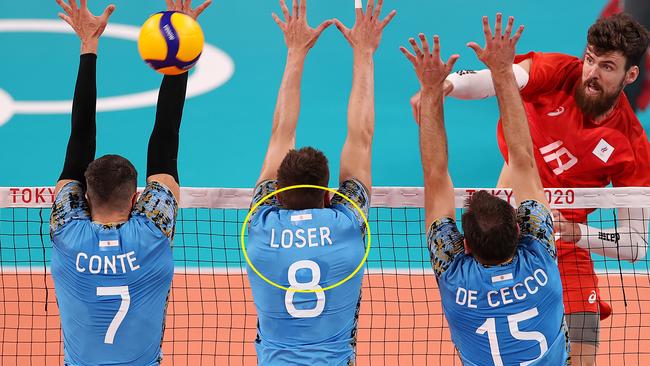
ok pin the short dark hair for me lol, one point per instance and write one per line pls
(619, 32)
(111, 181)
(490, 227)
(304, 166)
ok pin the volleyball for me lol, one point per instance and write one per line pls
(171, 42)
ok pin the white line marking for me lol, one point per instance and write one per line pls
(214, 69)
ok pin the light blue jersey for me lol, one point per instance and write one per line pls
(112, 281)
(510, 314)
(308, 249)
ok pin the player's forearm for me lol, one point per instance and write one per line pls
(162, 157)
(361, 108)
(433, 138)
(287, 109)
(81, 145)
(515, 122)
(628, 241)
(285, 118)
(470, 84)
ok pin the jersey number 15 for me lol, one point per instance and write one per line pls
(490, 328)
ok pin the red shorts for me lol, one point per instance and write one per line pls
(579, 280)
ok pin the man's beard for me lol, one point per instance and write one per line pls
(594, 106)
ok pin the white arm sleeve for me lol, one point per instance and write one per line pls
(470, 84)
(629, 241)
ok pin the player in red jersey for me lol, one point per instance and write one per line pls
(585, 134)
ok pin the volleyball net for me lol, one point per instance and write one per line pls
(211, 317)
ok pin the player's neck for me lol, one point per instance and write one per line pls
(108, 218)
(493, 263)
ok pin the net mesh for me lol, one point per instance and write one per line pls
(211, 318)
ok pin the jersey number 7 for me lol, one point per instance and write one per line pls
(123, 292)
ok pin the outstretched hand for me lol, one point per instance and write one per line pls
(429, 67)
(87, 26)
(499, 51)
(298, 35)
(185, 6)
(368, 27)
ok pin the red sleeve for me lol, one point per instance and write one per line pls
(638, 173)
(549, 72)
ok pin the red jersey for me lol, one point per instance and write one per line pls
(571, 150)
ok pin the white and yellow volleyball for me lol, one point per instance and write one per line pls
(171, 42)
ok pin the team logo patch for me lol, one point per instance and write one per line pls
(501, 278)
(592, 297)
(603, 150)
(304, 217)
(109, 243)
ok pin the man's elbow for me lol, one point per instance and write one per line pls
(521, 158)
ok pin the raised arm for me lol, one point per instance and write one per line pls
(498, 55)
(299, 38)
(627, 241)
(475, 84)
(81, 144)
(364, 38)
(162, 155)
(431, 72)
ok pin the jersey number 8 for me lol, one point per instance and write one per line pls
(311, 285)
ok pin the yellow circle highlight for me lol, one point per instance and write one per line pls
(254, 208)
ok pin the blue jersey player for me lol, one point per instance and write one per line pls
(299, 238)
(112, 261)
(499, 284)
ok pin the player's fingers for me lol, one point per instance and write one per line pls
(369, 7)
(303, 8)
(425, 44)
(388, 19)
(408, 55)
(324, 25)
(295, 12)
(285, 10)
(486, 28)
(64, 6)
(497, 26)
(508, 33)
(436, 47)
(451, 62)
(358, 9)
(66, 19)
(476, 48)
(416, 48)
(377, 11)
(342, 28)
(73, 5)
(517, 35)
(108, 12)
(84, 4)
(278, 21)
(202, 7)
